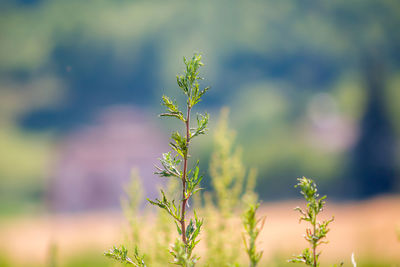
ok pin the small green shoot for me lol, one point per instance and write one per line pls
(253, 227)
(316, 234)
(120, 254)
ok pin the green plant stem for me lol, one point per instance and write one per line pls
(314, 245)
(252, 244)
(184, 174)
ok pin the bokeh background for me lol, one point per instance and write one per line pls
(313, 89)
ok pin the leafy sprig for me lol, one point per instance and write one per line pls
(181, 257)
(193, 180)
(316, 234)
(168, 206)
(175, 162)
(172, 108)
(202, 121)
(253, 227)
(170, 166)
(120, 254)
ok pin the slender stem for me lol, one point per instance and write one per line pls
(185, 160)
(251, 248)
(314, 244)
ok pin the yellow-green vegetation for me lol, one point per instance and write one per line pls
(25, 156)
(233, 188)
(221, 207)
(24, 161)
(143, 224)
(233, 191)
(253, 227)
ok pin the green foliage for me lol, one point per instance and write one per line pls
(175, 164)
(172, 109)
(193, 231)
(202, 121)
(171, 165)
(253, 227)
(189, 81)
(130, 205)
(120, 254)
(128, 26)
(142, 224)
(162, 231)
(317, 233)
(231, 189)
(169, 206)
(234, 186)
(181, 257)
(193, 181)
(228, 174)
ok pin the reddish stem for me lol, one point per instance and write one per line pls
(185, 160)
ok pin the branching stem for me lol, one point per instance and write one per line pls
(182, 250)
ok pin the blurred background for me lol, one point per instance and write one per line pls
(313, 89)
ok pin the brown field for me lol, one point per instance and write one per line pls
(366, 228)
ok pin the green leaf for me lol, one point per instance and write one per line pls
(202, 122)
(170, 166)
(120, 254)
(181, 255)
(180, 145)
(172, 109)
(253, 227)
(168, 206)
(193, 180)
(178, 228)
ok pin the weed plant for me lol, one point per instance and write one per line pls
(316, 234)
(233, 189)
(233, 194)
(253, 227)
(174, 164)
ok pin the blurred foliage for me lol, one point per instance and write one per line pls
(305, 44)
(143, 224)
(227, 173)
(233, 188)
(253, 227)
(64, 61)
(24, 155)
